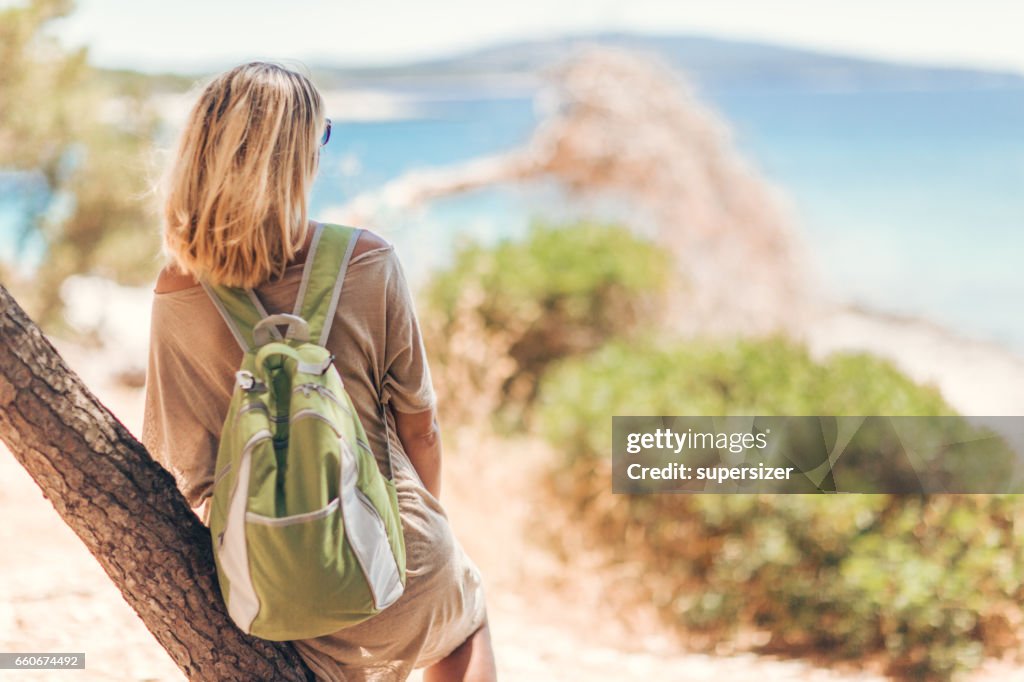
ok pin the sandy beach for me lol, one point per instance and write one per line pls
(975, 377)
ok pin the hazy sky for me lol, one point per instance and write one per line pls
(154, 34)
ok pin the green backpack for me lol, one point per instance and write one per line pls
(306, 532)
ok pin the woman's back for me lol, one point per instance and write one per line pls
(379, 353)
(236, 215)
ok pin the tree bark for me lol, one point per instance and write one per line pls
(126, 508)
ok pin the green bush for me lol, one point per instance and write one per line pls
(499, 315)
(57, 125)
(764, 377)
(930, 583)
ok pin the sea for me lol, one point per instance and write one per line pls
(911, 203)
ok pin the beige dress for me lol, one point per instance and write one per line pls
(379, 352)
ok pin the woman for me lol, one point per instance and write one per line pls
(236, 215)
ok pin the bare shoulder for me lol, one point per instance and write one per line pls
(171, 279)
(369, 241)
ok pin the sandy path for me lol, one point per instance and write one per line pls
(56, 598)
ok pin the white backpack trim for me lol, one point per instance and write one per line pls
(243, 603)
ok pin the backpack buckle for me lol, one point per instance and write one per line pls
(247, 382)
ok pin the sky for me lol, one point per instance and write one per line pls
(186, 34)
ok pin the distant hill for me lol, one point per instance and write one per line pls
(712, 63)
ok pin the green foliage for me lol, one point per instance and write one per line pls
(88, 142)
(577, 269)
(33, 131)
(931, 584)
(765, 377)
(518, 306)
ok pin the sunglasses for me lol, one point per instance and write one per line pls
(327, 133)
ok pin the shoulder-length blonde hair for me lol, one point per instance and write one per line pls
(236, 194)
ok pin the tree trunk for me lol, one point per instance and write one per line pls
(126, 508)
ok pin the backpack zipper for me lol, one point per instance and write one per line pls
(305, 389)
(249, 407)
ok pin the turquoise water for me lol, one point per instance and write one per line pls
(912, 202)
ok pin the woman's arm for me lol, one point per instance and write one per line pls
(421, 440)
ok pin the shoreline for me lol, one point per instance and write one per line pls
(978, 378)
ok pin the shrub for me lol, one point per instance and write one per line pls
(498, 316)
(764, 377)
(930, 583)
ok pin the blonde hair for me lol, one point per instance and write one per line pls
(236, 195)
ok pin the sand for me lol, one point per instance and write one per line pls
(976, 378)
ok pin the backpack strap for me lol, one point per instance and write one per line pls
(317, 300)
(323, 277)
(241, 310)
